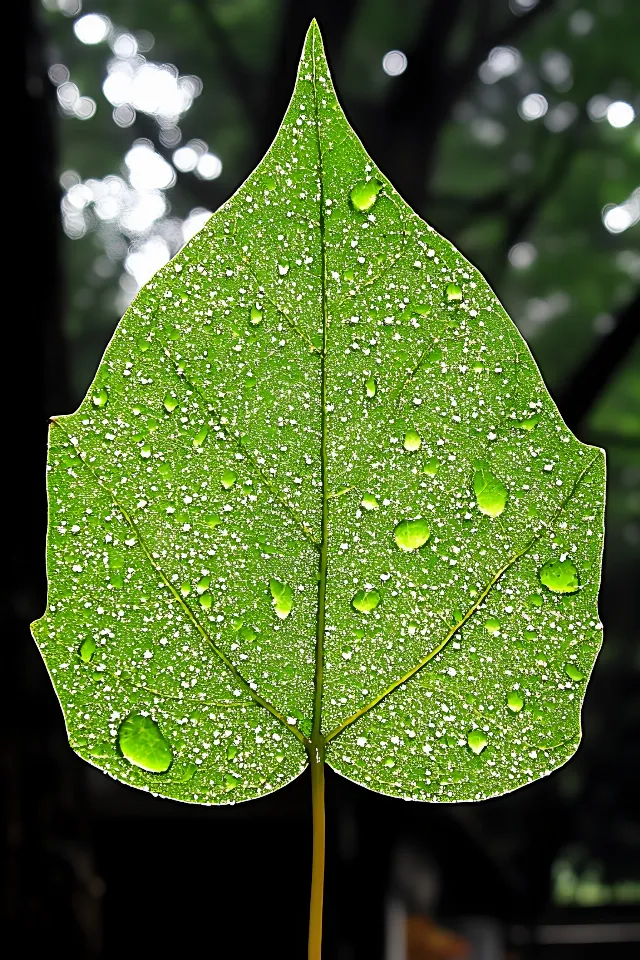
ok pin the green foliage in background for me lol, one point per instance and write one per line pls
(318, 493)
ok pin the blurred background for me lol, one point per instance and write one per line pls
(512, 127)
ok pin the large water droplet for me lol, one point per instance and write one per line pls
(170, 402)
(364, 194)
(206, 601)
(366, 600)
(491, 493)
(411, 534)
(560, 576)
(369, 502)
(203, 584)
(412, 440)
(87, 649)
(477, 741)
(515, 701)
(100, 398)
(255, 315)
(142, 743)
(453, 291)
(370, 387)
(572, 672)
(282, 598)
(228, 478)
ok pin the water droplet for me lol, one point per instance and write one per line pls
(431, 467)
(230, 782)
(203, 584)
(145, 451)
(435, 355)
(369, 502)
(389, 762)
(477, 741)
(212, 520)
(164, 469)
(283, 269)
(530, 635)
(458, 615)
(422, 309)
(515, 701)
(170, 402)
(530, 423)
(228, 479)
(232, 751)
(282, 598)
(453, 291)
(248, 634)
(205, 601)
(492, 625)
(200, 436)
(572, 672)
(536, 600)
(560, 576)
(87, 649)
(491, 493)
(100, 398)
(412, 440)
(411, 534)
(255, 316)
(370, 387)
(477, 366)
(142, 743)
(185, 588)
(364, 194)
(366, 600)
(349, 275)
(186, 773)
(142, 344)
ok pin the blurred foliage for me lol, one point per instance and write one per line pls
(525, 199)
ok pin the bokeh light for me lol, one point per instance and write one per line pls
(92, 28)
(620, 114)
(394, 63)
(533, 106)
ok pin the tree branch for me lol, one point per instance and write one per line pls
(579, 395)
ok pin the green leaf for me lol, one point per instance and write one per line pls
(318, 496)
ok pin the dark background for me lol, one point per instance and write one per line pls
(513, 131)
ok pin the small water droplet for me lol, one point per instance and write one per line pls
(349, 275)
(453, 291)
(370, 387)
(412, 534)
(206, 601)
(87, 649)
(100, 398)
(186, 773)
(255, 316)
(185, 588)
(412, 440)
(492, 625)
(431, 467)
(282, 598)
(530, 635)
(477, 741)
(560, 576)
(170, 402)
(247, 633)
(572, 672)
(477, 366)
(142, 743)
(366, 600)
(228, 478)
(145, 451)
(389, 762)
(202, 584)
(200, 436)
(422, 309)
(364, 194)
(164, 469)
(212, 520)
(231, 782)
(515, 701)
(536, 600)
(369, 502)
(232, 751)
(491, 493)
(530, 423)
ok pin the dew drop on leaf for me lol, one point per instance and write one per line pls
(87, 649)
(370, 387)
(282, 598)
(100, 398)
(536, 600)
(366, 600)
(573, 673)
(453, 291)
(412, 440)
(369, 502)
(206, 601)
(431, 467)
(491, 493)
(477, 741)
(255, 316)
(200, 436)
(364, 194)
(411, 534)
(560, 576)
(515, 701)
(232, 751)
(231, 782)
(170, 402)
(530, 423)
(228, 478)
(186, 772)
(212, 520)
(492, 625)
(142, 743)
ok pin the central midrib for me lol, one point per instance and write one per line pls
(316, 734)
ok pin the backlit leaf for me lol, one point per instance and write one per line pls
(317, 433)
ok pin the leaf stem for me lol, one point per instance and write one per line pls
(316, 762)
